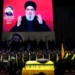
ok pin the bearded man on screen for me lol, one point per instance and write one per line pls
(30, 22)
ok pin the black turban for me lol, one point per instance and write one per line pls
(30, 3)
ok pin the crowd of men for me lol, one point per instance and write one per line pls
(14, 56)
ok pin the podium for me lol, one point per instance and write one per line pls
(34, 67)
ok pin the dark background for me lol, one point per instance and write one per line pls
(64, 21)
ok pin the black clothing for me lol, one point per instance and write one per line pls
(30, 26)
(30, 3)
(8, 13)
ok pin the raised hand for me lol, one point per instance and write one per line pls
(19, 20)
(39, 18)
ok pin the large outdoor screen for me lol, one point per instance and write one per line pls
(21, 17)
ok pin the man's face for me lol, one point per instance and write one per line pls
(8, 10)
(30, 13)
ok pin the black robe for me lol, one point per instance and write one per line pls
(30, 26)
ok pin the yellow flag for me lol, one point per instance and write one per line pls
(62, 51)
(1, 58)
(16, 59)
(42, 55)
(73, 57)
(23, 57)
(57, 57)
(66, 56)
